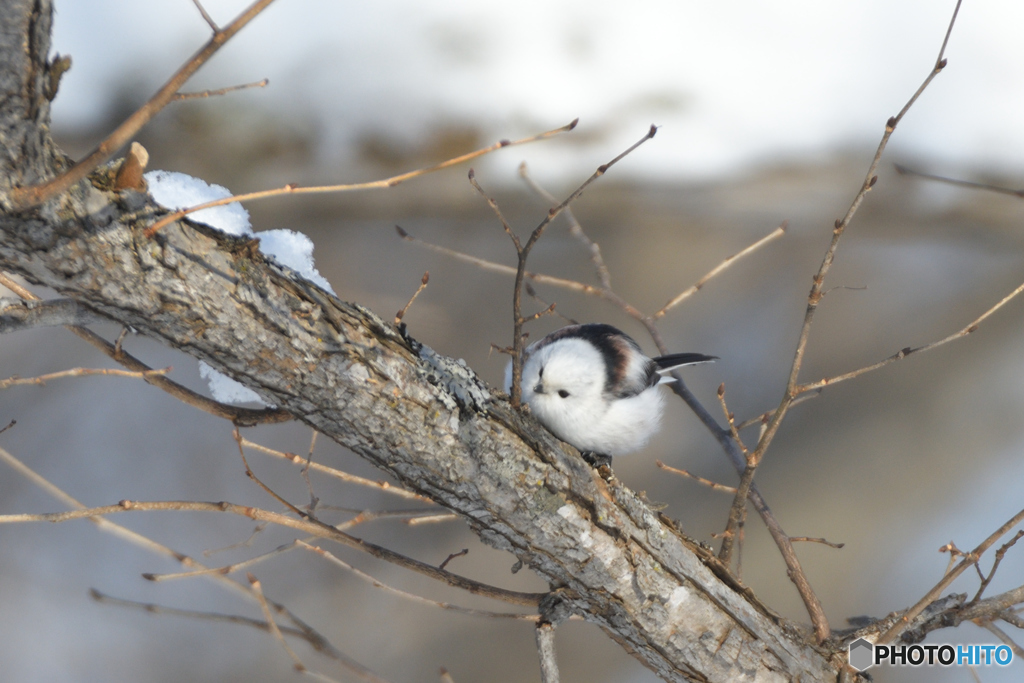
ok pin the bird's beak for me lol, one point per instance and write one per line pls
(539, 388)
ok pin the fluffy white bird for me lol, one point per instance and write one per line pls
(593, 387)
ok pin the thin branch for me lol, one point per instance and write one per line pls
(256, 531)
(904, 621)
(206, 17)
(998, 606)
(814, 298)
(808, 539)
(412, 596)
(245, 417)
(226, 569)
(312, 527)
(903, 353)
(545, 633)
(575, 229)
(763, 418)
(794, 570)
(496, 209)
(713, 485)
(538, 278)
(273, 494)
(695, 287)
(314, 638)
(738, 509)
(151, 608)
(821, 627)
(730, 419)
(903, 170)
(292, 188)
(452, 556)
(405, 309)
(986, 580)
(203, 94)
(23, 198)
(78, 372)
(1002, 635)
(269, 616)
(313, 500)
(337, 474)
(432, 519)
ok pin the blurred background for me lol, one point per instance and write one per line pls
(767, 113)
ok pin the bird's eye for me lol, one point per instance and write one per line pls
(563, 393)
(540, 373)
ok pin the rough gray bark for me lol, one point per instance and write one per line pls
(423, 417)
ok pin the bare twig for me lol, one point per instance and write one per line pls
(351, 187)
(206, 17)
(538, 278)
(78, 372)
(903, 353)
(808, 539)
(151, 608)
(532, 293)
(1001, 635)
(904, 621)
(575, 229)
(903, 170)
(432, 519)
(269, 616)
(546, 650)
(273, 494)
(737, 513)
(315, 639)
(226, 569)
(405, 309)
(794, 570)
(695, 287)
(203, 94)
(986, 580)
(763, 418)
(256, 531)
(730, 419)
(239, 416)
(738, 510)
(337, 474)
(412, 596)
(715, 486)
(461, 553)
(814, 298)
(23, 198)
(821, 627)
(313, 500)
(309, 526)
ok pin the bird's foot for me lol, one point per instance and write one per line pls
(597, 459)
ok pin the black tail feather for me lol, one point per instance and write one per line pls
(675, 360)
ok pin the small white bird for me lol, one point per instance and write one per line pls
(593, 387)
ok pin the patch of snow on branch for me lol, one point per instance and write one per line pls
(176, 191)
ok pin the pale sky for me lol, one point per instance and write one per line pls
(731, 83)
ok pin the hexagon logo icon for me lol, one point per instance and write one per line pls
(861, 654)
